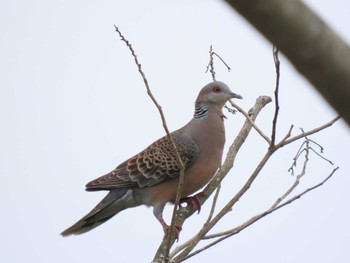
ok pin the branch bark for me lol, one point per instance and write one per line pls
(314, 49)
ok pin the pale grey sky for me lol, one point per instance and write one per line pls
(73, 106)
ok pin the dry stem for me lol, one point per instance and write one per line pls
(277, 107)
(179, 161)
(254, 219)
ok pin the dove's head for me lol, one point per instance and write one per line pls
(217, 93)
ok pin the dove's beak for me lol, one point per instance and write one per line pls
(235, 96)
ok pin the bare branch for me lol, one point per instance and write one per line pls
(298, 178)
(223, 61)
(319, 155)
(302, 135)
(215, 199)
(289, 133)
(211, 63)
(236, 230)
(316, 143)
(305, 147)
(179, 161)
(248, 117)
(179, 248)
(296, 157)
(277, 107)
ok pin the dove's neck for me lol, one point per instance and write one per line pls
(200, 111)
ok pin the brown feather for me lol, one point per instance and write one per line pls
(155, 164)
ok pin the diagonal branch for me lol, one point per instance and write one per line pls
(303, 134)
(248, 117)
(226, 234)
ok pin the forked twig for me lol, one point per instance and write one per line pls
(211, 63)
(299, 176)
(302, 135)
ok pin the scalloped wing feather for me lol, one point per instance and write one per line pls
(155, 164)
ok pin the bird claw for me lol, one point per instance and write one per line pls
(193, 201)
(167, 230)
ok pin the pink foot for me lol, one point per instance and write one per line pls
(193, 201)
(166, 229)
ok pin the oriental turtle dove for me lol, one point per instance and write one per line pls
(151, 176)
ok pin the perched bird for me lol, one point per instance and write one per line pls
(151, 176)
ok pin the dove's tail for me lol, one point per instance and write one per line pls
(115, 201)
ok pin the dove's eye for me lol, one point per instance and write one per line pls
(216, 89)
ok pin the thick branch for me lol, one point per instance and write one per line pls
(315, 50)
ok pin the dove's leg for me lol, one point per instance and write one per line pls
(158, 213)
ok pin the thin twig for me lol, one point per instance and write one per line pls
(277, 107)
(319, 155)
(211, 63)
(289, 133)
(215, 199)
(319, 145)
(247, 116)
(179, 248)
(297, 179)
(297, 137)
(179, 161)
(223, 61)
(296, 157)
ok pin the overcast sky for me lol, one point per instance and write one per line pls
(73, 106)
